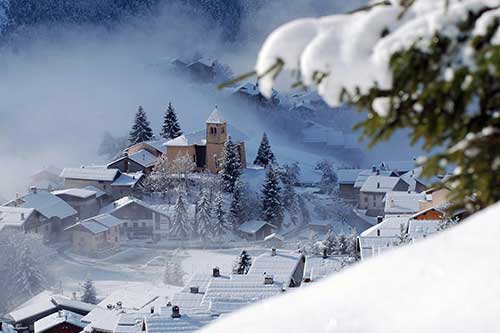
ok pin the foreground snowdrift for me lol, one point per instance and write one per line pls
(449, 283)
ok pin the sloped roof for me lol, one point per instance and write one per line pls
(281, 266)
(141, 157)
(348, 176)
(381, 184)
(14, 216)
(400, 166)
(274, 236)
(199, 138)
(97, 224)
(187, 323)
(128, 179)
(402, 202)
(90, 173)
(125, 201)
(81, 193)
(58, 318)
(98, 192)
(216, 117)
(45, 203)
(251, 227)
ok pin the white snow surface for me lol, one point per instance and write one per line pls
(351, 51)
(447, 283)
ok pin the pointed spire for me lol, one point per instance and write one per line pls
(216, 117)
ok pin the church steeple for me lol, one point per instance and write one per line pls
(216, 128)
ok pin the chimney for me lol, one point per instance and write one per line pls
(169, 304)
(194, 290)
(374, 168)
(125, 162)
(378, 172)
(176, 313)
(273, 252)
(119, 305)
(379, 219)
(109, 306)
(268, 279)
(216, 272)
(60, 313)
(152, 310)
(378, 184)
(33, 189)
(325, 253)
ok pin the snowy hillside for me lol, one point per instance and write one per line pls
(445, 284)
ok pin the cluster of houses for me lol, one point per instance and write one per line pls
(95, 207)
(203, 299)
(399, 200)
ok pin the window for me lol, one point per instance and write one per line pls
(215, 130)
(222, 130)
(125, 224)
(378, 232)
(136, 224)
(374, 203)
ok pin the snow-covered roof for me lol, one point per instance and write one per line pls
(97, 224)
(412, 289)
(281, 266)
(81, 193)
(381, 237)
(216, 117)
(58, 318)
(422, 228)
(251, 227)
(380, 184)
(90, 173)
(155, 144)
(125, 201)
(131, 298)
(201, 281)
(189, 139)
(98, 192)
(128, 179)
(186, 323)
(141, 157)
(273, 236)
(348, 176)
(102, 319)
(188, 300)
(318, 267)
(399, 166)
(45, 203)
(402, 202)
(14, 216)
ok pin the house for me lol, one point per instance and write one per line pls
(138, 161)
(51, 215)
(399, 167)
(140, 220)
(249, 93)
(96, 235)
(431, 213)
(155, 147)
(434, 197)
(274, 240)
(205, 148)
(256, 229)
(44, 305)
(112, 181)
(19, 219)
(346, 180)
(83, 200)
(201, 70)
(399, 203)
(318, 267)
(381, 237)
(372, 193)
(46, 179)
(62, 321)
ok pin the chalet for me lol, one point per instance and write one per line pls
(140, 220)
(138, 161)
(432, 213)
(112, 181)
(205, 148)
(201, 70)
(249, 93)
(96, 235)
(46, 179)
(62, 321)
(434, 197)
(19, 219)
(347, 179)
(84, 201)
(398, 167)
(256, 230)
(51, 214)
(44, 305)
(363, 176)
(373, 191)
(274, 240)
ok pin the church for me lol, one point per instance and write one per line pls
(206, 147)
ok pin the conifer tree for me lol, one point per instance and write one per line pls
(242, 263)
(220, 223)
(141, 130)
(171, 128)
(329, 179)
(265, 156)
(89, 293)
(272, 207)
(180, 226)
(231, 167)
(204, 216)
(237, 208)
(29, 276)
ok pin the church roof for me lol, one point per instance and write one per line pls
(216, 117)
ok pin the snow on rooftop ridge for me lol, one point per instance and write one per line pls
(57, 318)
(216, 117)
(90, 173)
(431, 275)
(45, 203)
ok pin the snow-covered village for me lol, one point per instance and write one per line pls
(265, 166)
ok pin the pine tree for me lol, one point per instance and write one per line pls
(141, 130)
(231, 167)
(204, 216)
(265, 156)
(329, 179)
(237, 208)
(272, 207)
(289, 177)
(89, 293)
(220, 224)
(330, 242)
(29, 276)
(171, 128)
(242, 263)
(180, 226)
